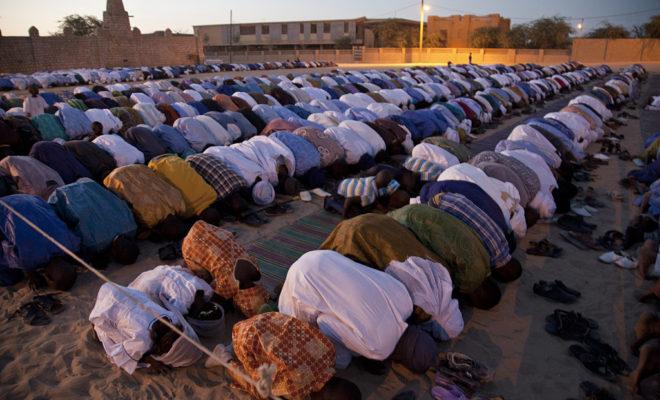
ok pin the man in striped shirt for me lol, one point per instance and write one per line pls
(380, 192)
(427, 170)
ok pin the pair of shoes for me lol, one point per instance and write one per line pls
(570, 325)
(618, 258)
(556, 291)
(544, 248)
(35, 312)
(582, 241)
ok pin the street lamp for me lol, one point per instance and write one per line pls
(422, 8)
(580, 25)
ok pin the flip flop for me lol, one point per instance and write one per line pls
(462, 362)
(49, 303)
(593, 362)
(552, 291)
(575, 223)
(614, 362)
(306, 196)
(566, 289)
(612, 240)
(584, 239)
(544, 248)
(572, 240)
(320, 192)
(33, 315)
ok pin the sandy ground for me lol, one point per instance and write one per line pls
(60, 361)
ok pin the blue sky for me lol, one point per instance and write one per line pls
(149, 15)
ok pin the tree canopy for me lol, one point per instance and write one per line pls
(488, 37)
(393, 33)
(650, 30)
(81, 25)
(607, 30)
(543, 33)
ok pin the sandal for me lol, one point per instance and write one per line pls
(575, 223)
(583, 241)
(252, 220)
(614, 362)
(569, 325)
(566, 289)
(462, 362)
(544, 248)
(553, 292)
(593, 362)
(49, 303)
(32, 314)
(611, 240)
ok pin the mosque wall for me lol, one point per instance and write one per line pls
(36, 53)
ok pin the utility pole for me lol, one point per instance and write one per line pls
(231, 33)
(422, 8)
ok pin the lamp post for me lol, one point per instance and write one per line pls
(580, 26)
(422, 8)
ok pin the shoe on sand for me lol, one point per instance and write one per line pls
(320, 192)
(620, 259)
(305, 196)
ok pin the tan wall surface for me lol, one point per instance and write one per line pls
(616, 50)
(31, 54)
(400, 56)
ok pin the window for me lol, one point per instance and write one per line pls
(302, 28)
(247, 30)
(313, 29)
(326, 27)
(265, 29)
(345, 27)
(285, 29)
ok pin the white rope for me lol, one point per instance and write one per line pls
(266, 372)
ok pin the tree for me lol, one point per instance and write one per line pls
(543, 33)
(608, 31)
(487, 37)
(652, 28)
(518, 37)
(79, 24)
(344, 43)
(393, 33)
(550, 33)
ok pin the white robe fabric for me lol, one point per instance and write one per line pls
(150, 114)
(594, 103)
(430, 287)
(436, 154)
(173, 287)
(354, 146)
(384, 110)
(123, 152)
(104, 116)
(269, 153)
(369, 135)
(358, 307)
(123, 327)
(219, 133)
(195, 133)
(527, 133)
(237, 162)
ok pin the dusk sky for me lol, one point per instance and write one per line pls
(149, 15)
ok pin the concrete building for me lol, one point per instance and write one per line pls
(456, 30)
(114, 44)
(292, 35)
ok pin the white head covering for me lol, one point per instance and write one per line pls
(263, 193)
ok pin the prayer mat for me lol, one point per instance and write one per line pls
(276, 254)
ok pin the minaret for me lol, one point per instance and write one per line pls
(115, 18)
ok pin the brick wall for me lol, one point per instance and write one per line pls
(36, 53)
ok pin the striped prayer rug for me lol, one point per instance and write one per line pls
(276, 254)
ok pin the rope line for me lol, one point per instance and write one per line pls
(263, 385)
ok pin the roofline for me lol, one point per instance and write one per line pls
(365, 19)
